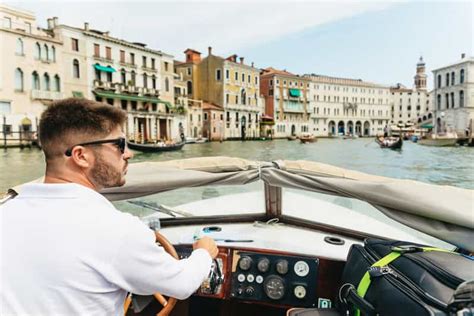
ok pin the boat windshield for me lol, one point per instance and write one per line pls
(244, 200)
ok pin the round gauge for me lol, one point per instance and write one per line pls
(301, 268)
(263, 265)
(282, 266)
(274, 287)
(250, 278)
(259, 279)
(245, 263)
(241, 277)
(299, 291)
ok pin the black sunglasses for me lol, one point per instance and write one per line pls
(120, 142)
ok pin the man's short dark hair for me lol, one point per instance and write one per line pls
(71, 121)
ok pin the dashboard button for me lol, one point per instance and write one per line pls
(241, 278)
(259, 279)
(250, 278)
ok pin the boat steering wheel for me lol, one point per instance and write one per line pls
(168, 304)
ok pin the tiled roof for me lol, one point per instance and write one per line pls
(211, 106)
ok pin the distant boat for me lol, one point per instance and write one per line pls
(307, 138)
(441, 140)
(155, 147)
(389, 142)
(292, 137)
(350, 136)
(196, 140)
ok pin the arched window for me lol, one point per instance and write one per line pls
(57, 83)
(447, 79)
(461, 98)
(461, 76)
(438, 102)
(46, 52)
(123, 76)
(46, 82)
(53, 54)
(18, 79)
(153, 82)
(75, 69)
(167, 85)
(19, 46)
(439, 81)
(35, 81)
(37, 51)
(243, 96)
(145, 81)
(452, 78)
(190, 87)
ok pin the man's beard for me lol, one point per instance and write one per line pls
(104, 175)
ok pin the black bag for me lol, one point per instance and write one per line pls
(421, 281)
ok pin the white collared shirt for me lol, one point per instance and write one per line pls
(66, 250)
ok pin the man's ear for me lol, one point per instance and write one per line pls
(82, 157)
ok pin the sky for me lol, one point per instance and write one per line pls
(377, 41)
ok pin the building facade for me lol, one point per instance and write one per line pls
(453, 95)
(287, 102)
(409, 105)
(123, 74)
(348, 106)
(30, 73)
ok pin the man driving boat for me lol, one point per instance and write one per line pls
(65, 249)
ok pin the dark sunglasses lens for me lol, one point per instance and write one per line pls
(122, 144)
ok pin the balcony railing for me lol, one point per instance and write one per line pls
(121, 88)
(46, 95)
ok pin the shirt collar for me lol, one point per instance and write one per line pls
(56, 191)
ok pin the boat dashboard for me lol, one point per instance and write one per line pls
(259, 265)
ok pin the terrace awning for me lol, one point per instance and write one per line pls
(104, 68)
(294, 93)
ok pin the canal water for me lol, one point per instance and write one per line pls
(439, 165)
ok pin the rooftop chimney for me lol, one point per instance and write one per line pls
(50, 23)
(463, 55)
(252, 64)
(209, 50)
(55, 21)
(86, 26)
(106, 33)
(241, 60)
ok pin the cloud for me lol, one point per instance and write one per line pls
(172, 27)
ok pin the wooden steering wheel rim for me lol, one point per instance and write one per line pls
(169, 304)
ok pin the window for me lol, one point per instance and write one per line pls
(96, 50)
(189, 72)
(133, 78)
(153, 82)
(144, 61)
(123, 76)
(461, 98)
(248, 79)
(438, 102)
(439, 81)
(452, 99)
(28, 27)
(227, 73)
(7, 23)
(122, 56)
(452, 78)
(75, 44)
(153, 63)
(19, 47)
(46, 52)
(447, 80)
(108, 76)
(35, 82)
(166, 66)
(132, 58)
(256, 80)
(124, 104)
(18, 79)
(5, 108)
(145, 80)
(236, 77)
(75, 69)
(46, 82)
(447, 100)
(190, 87)
(167, 85)
(236, 99)
(205, 116)
(218, 74)
(37, 51)
(461, 76)
(243, 77)
(108, 52)
(97, 74)
(227, 98)
(57, 83)
(243, 96)
(53, 54)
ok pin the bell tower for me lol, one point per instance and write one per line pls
(420, 77)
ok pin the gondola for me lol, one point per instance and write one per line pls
(155, 147)
(393, 142)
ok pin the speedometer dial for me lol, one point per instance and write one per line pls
(263, 265)
(245, 263)
(301, 268)
(274, 287)
(282, 266)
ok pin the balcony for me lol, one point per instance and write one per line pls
(105, 85)
(151, 92)
(129, 65)
(293, 107)
(46, 95)
(104, 59)
(148, 69)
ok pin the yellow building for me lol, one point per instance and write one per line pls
(229, 84)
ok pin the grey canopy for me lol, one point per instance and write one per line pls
(444, 212)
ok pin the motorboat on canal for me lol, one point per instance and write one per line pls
(307, 138)
(389, 142)
(284, 228)
(155, 147)
(439, 140)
